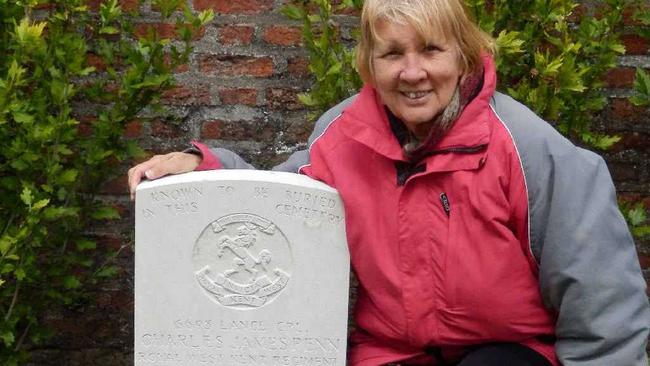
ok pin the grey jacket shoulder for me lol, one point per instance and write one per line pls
(301, 157)
(589, 271)
(231, 160)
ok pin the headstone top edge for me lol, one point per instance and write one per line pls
(235, 175)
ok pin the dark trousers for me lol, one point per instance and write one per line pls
(504, 354)
(494, 354)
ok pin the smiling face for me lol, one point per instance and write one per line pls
(415, 78)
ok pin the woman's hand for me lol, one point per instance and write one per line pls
(161, 165)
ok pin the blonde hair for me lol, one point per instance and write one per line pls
(431, 19)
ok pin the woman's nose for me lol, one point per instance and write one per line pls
(413, 69)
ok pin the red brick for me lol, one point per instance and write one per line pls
(122, 209)
(635, 44)
(116, 186)
(180, 68)
(129, 5)
(46, 6)
(165, 30)
(577, 13)
(236, 34)
(298, 67)
(620, 77)
(237, 65)
(282, 35)
(237, 130)
(297, 132)
(85, 126)
(633, 141)
(278, 98)
(112, 88)
(95, 61)
(644, 260)
(133, 129)
(183, 95)
(108, 242)
(235, 6)
(211, 130)
(167, 130)
(93, 4)
(628, 197)
(238, 96)
(156, 8)
(628, 14)
(624, 172)
(115, 300)
(623, 109)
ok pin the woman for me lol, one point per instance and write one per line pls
(478, 234)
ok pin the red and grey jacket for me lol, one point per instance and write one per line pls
(506, 233)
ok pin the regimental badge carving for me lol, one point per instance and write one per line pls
(242, 261)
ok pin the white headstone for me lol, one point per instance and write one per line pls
(237, 267)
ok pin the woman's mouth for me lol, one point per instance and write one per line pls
(414, 95)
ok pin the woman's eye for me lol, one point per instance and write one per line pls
(431, 48)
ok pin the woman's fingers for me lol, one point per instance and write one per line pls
(137, 172)
(161, 165)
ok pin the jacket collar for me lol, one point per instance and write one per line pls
(367, 123)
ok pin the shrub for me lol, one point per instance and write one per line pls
(50, 163)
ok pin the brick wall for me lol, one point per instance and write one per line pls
(239, 91)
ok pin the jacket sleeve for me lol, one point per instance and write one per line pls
(216, 158)
(589, 269)
(589, 272)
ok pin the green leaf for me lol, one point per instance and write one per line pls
(87, 71)
(293, 12)
(641, 88)
(8, 338)
(637, 215)
(509, 42)
(206, 16)
(641, 231)
(6, 242)
(28, 33)
(135, 151)
(21, 117)
(19, 273)
(618, 48)
(56, 213)
(108, 30)
(84, 244)
(109, 271)
(67, 176)
(602, 142)
(26, 196)
(334, 69)
(105, 213)
(15, 72)
(71, 282)
(40, 204)
(307, 100)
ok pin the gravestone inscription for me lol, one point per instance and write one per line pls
(240, 267)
